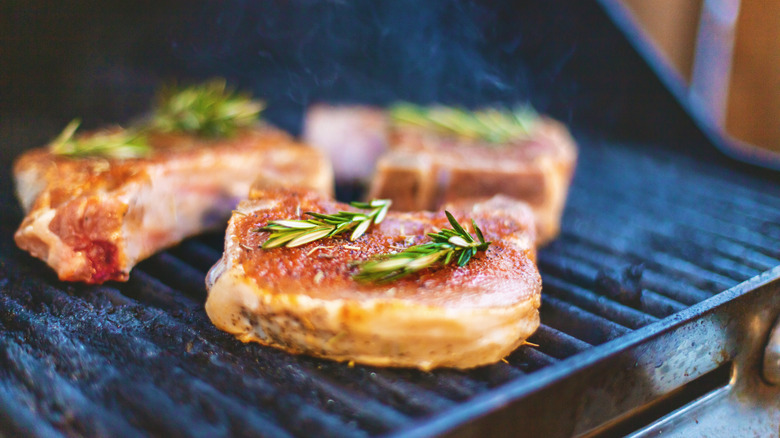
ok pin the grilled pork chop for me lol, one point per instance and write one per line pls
(305, 300)
(420, 168)
(92, 219)
(424, 170)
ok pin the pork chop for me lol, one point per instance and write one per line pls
(92, 219)
(422, 167)
(305, 300)
(425, 169)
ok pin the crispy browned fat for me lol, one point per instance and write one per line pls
(92, 219)
(305, 300)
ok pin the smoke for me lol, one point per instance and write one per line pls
(294, 53)
(102, 61)
(563, 56)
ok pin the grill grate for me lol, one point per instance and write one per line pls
(647, 233)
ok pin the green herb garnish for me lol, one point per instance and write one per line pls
(118, 143)
(210, 109)
(292, 233)
(448, 245)
(491, 125)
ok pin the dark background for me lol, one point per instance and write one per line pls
(102, 61)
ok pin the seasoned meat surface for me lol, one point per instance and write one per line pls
(92, 219)
(304, 299)
(423, 169)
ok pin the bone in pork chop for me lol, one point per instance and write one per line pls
(305, 300)
(93, 218)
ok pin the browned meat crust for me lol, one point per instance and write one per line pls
(93, 219)
(304, 299)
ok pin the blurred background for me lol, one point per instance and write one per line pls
(103, 60)
(727, 52)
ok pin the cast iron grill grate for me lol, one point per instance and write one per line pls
(647, 232)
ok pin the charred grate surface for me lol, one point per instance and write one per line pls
(646, 234)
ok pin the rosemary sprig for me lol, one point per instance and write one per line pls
(210, 109)
(448, 245)
(118, 143)
(491, 125)
(292, 233)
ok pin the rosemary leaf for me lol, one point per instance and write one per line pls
(210, 109)
(458, 229)
(447, 245)
(116, 143)
(360, 229)
(308, 237)
(478, 231)
(458, 241)
(292, 224)
(280, 240)
(387, 265)
(492, 125)
(292, 233)
(464, 258)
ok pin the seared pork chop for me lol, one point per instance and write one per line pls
(92, 219)
(422, 167)
(426, 169)
(305, 299)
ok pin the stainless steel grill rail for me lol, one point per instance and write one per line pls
(647, 233)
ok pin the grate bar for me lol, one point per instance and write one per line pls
(143, 287)
(579, 323)
(125, 333)
(692, 288)
(597, 304)
(449, 385)
(400, 393)
(589, 266)
(678, 289)
(60, 402)
(607, 196)
(530, 359)
(743, 189)
(84, 362)
(370, 414)
(56, 396)
(582, 274)
(665, 235)
(497, 374)
(684, 175)
(17, 414)
(557, 344)
(659, 305)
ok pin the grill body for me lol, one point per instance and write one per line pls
(658, 295)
